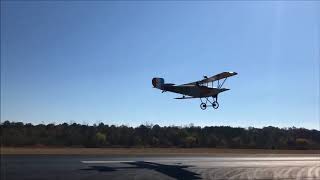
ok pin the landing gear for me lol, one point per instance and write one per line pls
(213, 103)
(203, 106)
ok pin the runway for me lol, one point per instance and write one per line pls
(53, 167)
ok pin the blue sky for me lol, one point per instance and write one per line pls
(91, 62)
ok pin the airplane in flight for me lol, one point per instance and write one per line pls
(203, 89)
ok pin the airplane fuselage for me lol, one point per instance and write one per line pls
(194, 91)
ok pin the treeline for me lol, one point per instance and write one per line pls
(101, 135)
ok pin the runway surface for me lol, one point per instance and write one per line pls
(54, 167)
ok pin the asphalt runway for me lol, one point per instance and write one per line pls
(54, 167)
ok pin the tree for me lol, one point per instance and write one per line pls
(100, 139)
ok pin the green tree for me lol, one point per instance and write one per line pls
(100, 139)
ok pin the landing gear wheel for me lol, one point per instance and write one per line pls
(215, 105)
(203, 106)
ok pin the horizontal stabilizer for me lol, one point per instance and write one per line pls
(169, 84)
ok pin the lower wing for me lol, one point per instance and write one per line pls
(189, 97)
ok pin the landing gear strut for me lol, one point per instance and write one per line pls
(214, 103)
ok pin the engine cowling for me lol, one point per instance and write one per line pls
(158, 82)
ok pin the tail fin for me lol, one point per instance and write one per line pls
(158, 83)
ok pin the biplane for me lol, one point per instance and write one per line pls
(203, 89)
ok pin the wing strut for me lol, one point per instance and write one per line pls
(220, 85)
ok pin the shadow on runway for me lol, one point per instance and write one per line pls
(175, 171)
(99, 168)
